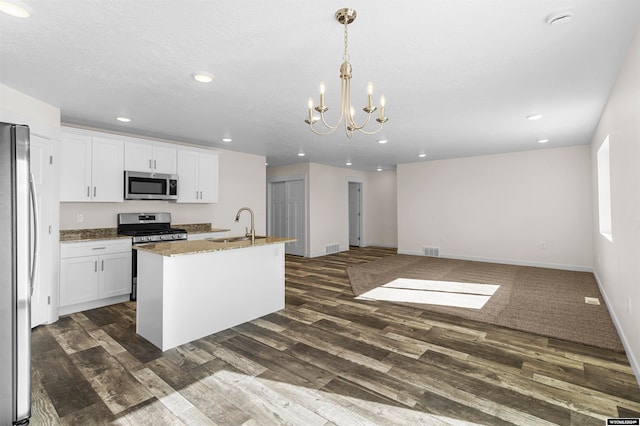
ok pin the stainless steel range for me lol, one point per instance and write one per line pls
(149, 227)
(146, 228)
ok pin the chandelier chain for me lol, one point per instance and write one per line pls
(345, 55)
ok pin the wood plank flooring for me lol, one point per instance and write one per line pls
(326, 359)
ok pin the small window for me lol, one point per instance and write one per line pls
(604, 190)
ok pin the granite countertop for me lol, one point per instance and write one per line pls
(198, 228)
(178, 248)
(96, 234)
(93, 234)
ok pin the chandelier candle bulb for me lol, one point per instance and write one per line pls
(310, 105)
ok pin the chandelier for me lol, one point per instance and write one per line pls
(346, 16)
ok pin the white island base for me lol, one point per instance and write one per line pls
(183, 298)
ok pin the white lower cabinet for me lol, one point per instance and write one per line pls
(94, 274)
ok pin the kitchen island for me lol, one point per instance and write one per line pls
(190, 289)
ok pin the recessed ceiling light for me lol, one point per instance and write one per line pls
(534, 117)
(16, 8)
(348, 163)
(383, 141)
(202, 77)
(301, 154)
(543, 140)
(422, 155)
(560, 17)
(379, 169)
(226, 139)
(123, 119)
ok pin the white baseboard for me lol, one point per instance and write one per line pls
(395, 246)
(633, 361)
(321, 253)
(506, 261)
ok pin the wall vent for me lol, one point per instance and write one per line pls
(431, 251)
(332, 248)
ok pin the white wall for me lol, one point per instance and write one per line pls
(530, 208)
(242, 182)
(617, 262)
(381, 209)
(328, 205)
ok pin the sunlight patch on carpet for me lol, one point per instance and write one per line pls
(443, 293)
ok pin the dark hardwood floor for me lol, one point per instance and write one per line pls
(326, 359)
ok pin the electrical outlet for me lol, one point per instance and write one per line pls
(79, 218)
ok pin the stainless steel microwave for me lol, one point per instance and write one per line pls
(150, 186)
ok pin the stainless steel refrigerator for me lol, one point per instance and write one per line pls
(18, 245)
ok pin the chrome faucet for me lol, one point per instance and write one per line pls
(248, 233)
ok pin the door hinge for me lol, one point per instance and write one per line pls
(51, 159)
(48, 300)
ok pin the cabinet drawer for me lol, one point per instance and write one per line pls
(94, 248)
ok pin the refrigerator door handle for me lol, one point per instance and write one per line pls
(36, 235)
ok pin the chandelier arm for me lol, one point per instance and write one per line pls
(326, 124)
(333, 129)
(359, 128)
(373, 132)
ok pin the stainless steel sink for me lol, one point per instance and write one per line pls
(234, 239)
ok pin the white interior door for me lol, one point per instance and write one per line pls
(295, 217)
(287, 214)
(40, 151)
(355, 213)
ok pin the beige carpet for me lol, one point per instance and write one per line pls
(549, 302)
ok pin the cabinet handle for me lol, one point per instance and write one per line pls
(150, 163)
(196, 195)
(94, 191)
(95, 266)
(155, 166)
(201, 195)
(98, 248)
(88, 191)
(102, 266)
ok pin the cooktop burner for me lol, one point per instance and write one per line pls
(149, 227)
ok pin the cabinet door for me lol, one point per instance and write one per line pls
(188, 191)
(78, 280)
(75, 168)
(208, 178)
(138, 156)
(164, 159)
(115, 274)
(107, 170)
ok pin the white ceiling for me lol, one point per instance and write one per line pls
(459, 76)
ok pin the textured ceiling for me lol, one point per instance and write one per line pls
(459, 76)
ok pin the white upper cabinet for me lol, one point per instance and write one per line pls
(91, 168)
(198, 176)
(148, 156)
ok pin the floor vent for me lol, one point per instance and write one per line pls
(332, 248)
(432, 251)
